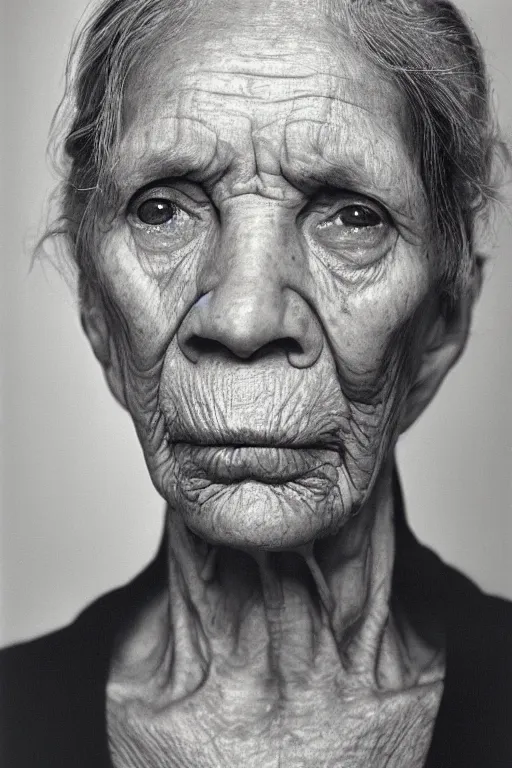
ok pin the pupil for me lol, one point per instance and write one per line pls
(155, 211)
(360, 216)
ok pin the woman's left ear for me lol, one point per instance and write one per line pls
(94, 322)
(444, 345)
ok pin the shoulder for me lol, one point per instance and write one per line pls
(480, 649)
(473, 723)
(52, 689)
(478, 621)
(40, 664)
(49, 689)
(476, 713)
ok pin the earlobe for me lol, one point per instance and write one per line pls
(94, 322)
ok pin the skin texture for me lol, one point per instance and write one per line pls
(270, 354)
(259, 670)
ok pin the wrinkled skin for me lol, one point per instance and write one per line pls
(270, 353)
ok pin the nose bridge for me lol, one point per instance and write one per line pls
(251, 289)
(249, 297)
(254, 252)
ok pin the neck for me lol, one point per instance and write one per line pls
(282, 619)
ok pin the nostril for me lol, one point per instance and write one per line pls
(287, 344)
(292, 346)
(199, 345)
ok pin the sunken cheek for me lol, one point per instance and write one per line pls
(151, 290)
(363, 319)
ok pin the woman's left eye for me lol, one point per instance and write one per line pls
(357, 233)
(156, 211)
(354, 217)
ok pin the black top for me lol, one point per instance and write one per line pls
(53, 689)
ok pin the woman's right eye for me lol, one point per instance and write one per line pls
(157, 215)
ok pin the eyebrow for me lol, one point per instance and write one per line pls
(353, 177)
(173, 163)
(190, 154)
(357, 167)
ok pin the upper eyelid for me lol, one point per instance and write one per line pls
(360, 200)
(169, 190)
(384, 218)
(149, 191)
(335, 197)
(330, 210)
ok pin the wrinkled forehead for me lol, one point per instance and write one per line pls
(268, 91)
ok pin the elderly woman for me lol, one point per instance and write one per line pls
(272, 210)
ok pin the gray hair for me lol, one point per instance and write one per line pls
(425, 47)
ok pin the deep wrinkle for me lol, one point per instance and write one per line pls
(205, 165)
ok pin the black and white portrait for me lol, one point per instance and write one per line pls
(257, 422)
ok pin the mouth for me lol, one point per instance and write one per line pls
(271, 464)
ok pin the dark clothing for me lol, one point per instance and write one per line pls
(53, 688)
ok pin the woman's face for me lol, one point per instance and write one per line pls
(268, 275)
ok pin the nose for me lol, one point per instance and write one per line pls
(254, 306)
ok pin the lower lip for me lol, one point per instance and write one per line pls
(265, 464)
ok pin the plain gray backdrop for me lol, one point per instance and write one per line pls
(79, 513)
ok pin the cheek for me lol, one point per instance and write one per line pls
(147, 303)
(372, 325)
